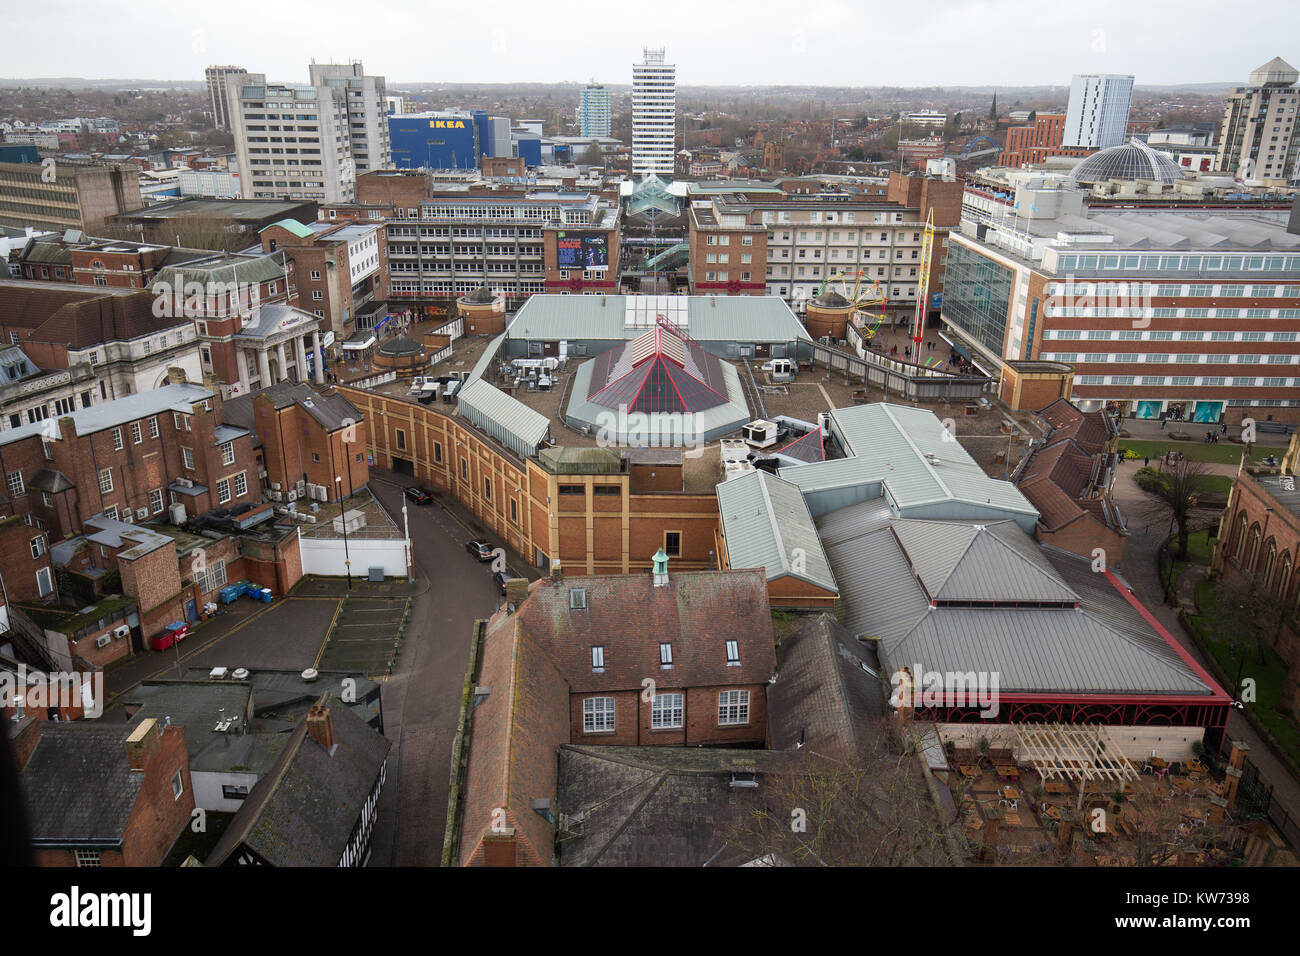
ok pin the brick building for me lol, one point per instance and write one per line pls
(568, 665)
(74, 197)
(129, 459)
(1259, 538)
(1038, 141)
(251, 334)
(339, 267)
(70, 347)
(25, 561)
(129, 812)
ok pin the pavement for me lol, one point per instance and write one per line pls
(1148, 531)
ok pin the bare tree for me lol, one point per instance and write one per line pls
(1176, 490)
(873, 811)
(1262, 613)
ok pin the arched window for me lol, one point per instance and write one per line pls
(97, 265)
(1270, 562)
(1252, 550)
(1281, 589)
(1239, 537)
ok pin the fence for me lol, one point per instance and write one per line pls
(902, 379)
(1255, 799)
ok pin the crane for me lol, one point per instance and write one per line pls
(923, 285)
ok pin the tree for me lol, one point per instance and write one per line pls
(1262, 613)
(875, 811)
(593, 156)
(1175, 491)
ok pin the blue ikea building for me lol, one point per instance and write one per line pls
(449, 139)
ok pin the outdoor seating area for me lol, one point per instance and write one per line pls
(1117, 816)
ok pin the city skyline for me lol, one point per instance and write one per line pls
(812, 44)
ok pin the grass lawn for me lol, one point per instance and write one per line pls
(1225, 638)
(1200, 547)
(1224, 454)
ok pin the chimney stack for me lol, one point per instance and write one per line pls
(516, 590)
(556, 573)
(24, 737)
(142, 744)
(499, 847)
(321, 726)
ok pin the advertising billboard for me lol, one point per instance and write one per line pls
(582, 250)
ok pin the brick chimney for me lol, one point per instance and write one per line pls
(321, 726)
(143, 744)
(516, 590)
(556, 573)
(176, 375)
(499, 847)
(24, 737)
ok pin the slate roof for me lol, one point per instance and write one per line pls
(824, 697)
(697, 611)
(657, 806)
(327, 406)
(78, 784)
(303, 811)
(50, 480)
(223, 268)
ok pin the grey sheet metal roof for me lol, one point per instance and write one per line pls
(767, 525)
(960, 561)
(742, 318)
(224, 433)
(175, 397)
(508, 420)
(223, 269)
(1103, 646)
(922, 469)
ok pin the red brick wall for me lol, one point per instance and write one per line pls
(700, 718)
(17, 566)
(159, 816)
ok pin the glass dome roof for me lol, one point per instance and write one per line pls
(1129, 161)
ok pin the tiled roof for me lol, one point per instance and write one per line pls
(697, 612)
(78, 784)
(1056, 481)
(78, 317)
(516, 730)
(1091, 430)
(825, 698)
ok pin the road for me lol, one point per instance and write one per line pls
(422, 698)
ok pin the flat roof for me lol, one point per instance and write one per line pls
(226, 208)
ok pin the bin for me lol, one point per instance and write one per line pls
(264, 594)
(229, 593)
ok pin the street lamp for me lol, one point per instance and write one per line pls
(343, 517)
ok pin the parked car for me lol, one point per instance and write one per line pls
(480, 549)
(499, 579)
(419, 495)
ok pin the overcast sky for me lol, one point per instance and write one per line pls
(805, 42)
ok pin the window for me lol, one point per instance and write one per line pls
(437, 451)
(228, 453)
(578, 599)
(223, 491)
(153, 426)
(187, 456)
(665, 654)
(464, 470)
(105, 480)
(598, 659)
(514, 511)
(231, 792)
(487, 488)
(15, 481)
(46, 499)
(117, 439)
(178, 785)
(88, 857)
(37, 544)
(598, 715)
(401, 439)
(733, 707)
(673, 543)
(212, 577)
(733, 654)
(155, 501)
(44, 582)
(666, 711)
(241, 485)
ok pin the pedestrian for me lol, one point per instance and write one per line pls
(1162, 423)
(1146, 461)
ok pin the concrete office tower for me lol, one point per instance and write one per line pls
(654, 115)
(216, 77)
(292, 140)
(367, 111)
(593, 111)
(1259, 139)
(1098, 113)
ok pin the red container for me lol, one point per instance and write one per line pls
(176, 631)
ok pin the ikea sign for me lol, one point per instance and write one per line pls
(446, 124)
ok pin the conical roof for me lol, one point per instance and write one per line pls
(830, 299)
(480, 296)
(400, 345)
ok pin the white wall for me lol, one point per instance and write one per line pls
(326, 556)
(1136, 743)
(207, 789)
